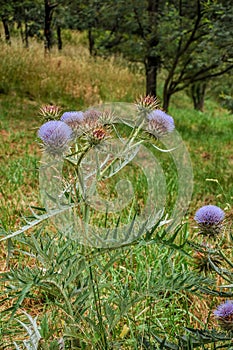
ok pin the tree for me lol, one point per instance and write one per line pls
(200, 47)
(130, 28)
(198, 90)
(48, 16)
(6, 12)
(149, 34)
(90, 16)
(29, 18)
(137, 36)
(190, 39)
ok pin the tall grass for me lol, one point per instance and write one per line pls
(71, 78)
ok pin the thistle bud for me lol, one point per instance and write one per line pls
(50, 112)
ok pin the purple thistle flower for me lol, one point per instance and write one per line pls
(91, 115)
(209, 219)
(224, 314)
(73, 116)
(91, 120)
(160, 123)
(73, 119)
(56, 135)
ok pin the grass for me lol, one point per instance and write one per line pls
(208, 137)
(151, 271)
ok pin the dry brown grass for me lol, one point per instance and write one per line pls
(68, 77)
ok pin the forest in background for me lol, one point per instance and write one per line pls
(189, 41)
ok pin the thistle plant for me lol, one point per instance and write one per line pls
(214, 256)
(73, 120)
(98, 144)
(210, 254)
(147, 104)
(108, 264)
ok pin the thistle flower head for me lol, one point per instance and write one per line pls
(91, 120)
(202, 260)
(56, 136)
(106, 117)
(224, 314)
(50, 112)
(146, 104)
(91, 116)
(160, 123)
(73, 116)
(99, 134)
(209, 219)
(74, 119)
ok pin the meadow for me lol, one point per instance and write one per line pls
(127, 298)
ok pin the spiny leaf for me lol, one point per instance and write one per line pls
(37, 221)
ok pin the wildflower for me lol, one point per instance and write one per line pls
(209, 219)
(146, 104)
(224, 314)
(91, 119)
(74, 119)
(99, 134)
(74, 116)
(50, 112)
(107, 117)
(94, 137)
(160, 123)
(56, 136)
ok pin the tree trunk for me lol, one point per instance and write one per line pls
(59, 39)
(20, 27)
(6, 30)
(151, 66)
(152, 61)
(26, 35)
(48, 25)
(198, 95)
(166, 99)
(91, 41)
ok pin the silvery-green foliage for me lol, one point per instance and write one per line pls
(32, 333)
(74, 280)
(37, 335)
(103, 285)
